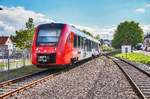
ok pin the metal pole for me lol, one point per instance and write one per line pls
(8, 60)
(126, 52)
(23, 57)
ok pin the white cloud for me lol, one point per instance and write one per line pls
(148, 5)
(6, 28)
(105, 33)
(108, 31)
(92, 30)
(146, 28)
(14, 18)
(141, 10)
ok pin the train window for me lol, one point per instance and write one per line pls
(93, 45)
(48, 37)
(84, 43)
(75, 41)
(81, 42)
(78, 41)
(69, 38)
(96, 46)
(89, 45)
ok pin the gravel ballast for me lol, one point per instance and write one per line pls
(97, 78)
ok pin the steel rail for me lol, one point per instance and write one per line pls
(145, 72)
(32, 84)
(5, 83)
(131, 81)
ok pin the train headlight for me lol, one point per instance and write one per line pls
(53, 50)
(37, 50)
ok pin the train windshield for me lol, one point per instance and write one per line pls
(48, 37)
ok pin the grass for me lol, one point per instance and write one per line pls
(18, 72)
(136, 57)
(14, 63)
(113, 53)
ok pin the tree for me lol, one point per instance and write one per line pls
(130, 31)
(88, 33)
(98, 37)
(23, 38)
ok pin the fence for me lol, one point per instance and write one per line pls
(14, 60)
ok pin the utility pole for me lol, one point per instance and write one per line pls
(8, 59)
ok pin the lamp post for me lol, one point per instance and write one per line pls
(126, 50)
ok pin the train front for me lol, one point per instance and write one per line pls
(47, 47)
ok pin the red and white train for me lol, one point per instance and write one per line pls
(55, 45)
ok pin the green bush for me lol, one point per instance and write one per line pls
(106, 48)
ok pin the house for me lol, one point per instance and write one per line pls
(126, 47)
(147, 42)
(6, 43)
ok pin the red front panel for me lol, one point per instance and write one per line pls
(61, 54)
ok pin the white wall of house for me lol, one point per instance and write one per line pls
(10, 45)
(147, 41)
(125, 47)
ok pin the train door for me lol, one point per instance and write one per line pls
(69, 46)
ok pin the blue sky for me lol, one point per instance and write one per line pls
(96, 14)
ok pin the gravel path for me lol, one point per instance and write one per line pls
(96, 79)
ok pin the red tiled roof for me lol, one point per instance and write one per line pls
(126, 43)
(3, 39)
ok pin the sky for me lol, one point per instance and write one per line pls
(96, 16)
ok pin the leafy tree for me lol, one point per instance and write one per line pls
(130, 31)
(98, 37)
(88, 33)
(29, 24)
(23, 38)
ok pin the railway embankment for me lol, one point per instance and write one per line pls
(97, 78)
(143, 67)
(15, 73)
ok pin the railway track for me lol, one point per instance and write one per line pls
(14, 86)
(138, 78)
